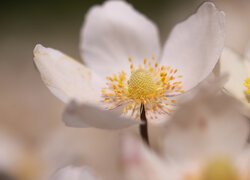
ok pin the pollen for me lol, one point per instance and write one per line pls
(247, 85)
(216, 168)
(141, 85)
(220, 168)
(149, 84)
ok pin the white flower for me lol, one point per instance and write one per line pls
(209, 124)
(238, 69)
(142, 164)
(206, 139)
(121, 49)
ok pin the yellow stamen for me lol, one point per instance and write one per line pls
(219, 169)
(148, 84)
(247, 91)
(247, 85)
(141, 85)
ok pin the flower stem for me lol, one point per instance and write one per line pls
(144, 126)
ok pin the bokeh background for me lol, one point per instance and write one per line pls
(28, 111)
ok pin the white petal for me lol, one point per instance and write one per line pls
(66, 78)
(74, 173)
(140, 163)
(235, 66)
(114, 32)
(83, 115)
(195, 45)
(214, 127)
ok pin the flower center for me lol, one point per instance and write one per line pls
(247, 91)
(148, 84)
(141, 85)
(220, 168)
(217, 168)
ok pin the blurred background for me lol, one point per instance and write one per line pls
(28, 111)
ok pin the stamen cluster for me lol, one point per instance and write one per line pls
(247, 85)
(148, 84)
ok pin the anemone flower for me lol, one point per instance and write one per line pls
(125, 69)
(205, 140)
(237, 67)
(142, 164)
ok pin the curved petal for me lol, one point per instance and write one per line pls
(195, 45)
(83, 115)
(114, 32)
(233, 65)
(66, 78)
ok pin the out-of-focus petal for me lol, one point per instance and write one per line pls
(140, 163)
(83, 115)
(234, 65)
(114, 32)
(96, 148)
(10, 152)
(208, 125)
(195, 45)
(74, 173)
(66, 78)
